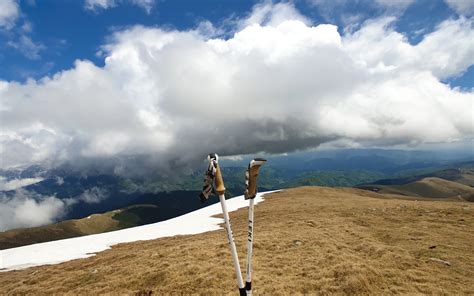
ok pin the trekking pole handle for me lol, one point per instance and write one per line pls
(220, 188)
(253, 170)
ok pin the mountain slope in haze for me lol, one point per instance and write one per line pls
(445, 184)
(145, 209)
(308, 240)
(155, 207)
(95, 189)
(97, 223)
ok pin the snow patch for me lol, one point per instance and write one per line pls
(86, 246)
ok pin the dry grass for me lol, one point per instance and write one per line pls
(431, 187)
(308, 240)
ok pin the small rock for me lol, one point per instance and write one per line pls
(441, 261)
(297, 242)
(432, 247)
(94, 271)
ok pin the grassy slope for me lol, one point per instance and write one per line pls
(436, 188)
(429, 187)
(97, 223)
(66, 229)
(452, 183)
(308, 240)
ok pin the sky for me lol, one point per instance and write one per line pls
(162, 83)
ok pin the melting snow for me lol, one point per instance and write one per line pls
(85, 246)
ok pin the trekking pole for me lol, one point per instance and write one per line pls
(214, 175)
(250, 193)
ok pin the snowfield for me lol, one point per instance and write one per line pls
(59, 251)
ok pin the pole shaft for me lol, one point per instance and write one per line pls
(250, 247)
(230, 237)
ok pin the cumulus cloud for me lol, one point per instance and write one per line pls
(27, 209)
(445, 52)
(9, 12)
(462, 7)
(95, 5)
(164, 99)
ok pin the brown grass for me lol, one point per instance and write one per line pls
(431, 188)
(308, 240)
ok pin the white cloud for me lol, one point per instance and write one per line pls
(93, 195)
(27, 47)
(9, 12)
(26, 209)
(343, 10)
(99, 4)
(102, 4)
(145, 4)
(330, 10)
(18, 39)
(167, 98)
(95, 5)
(395, 4)
(445, 52)
(462, 7)
(267, 13)
(6, 185)
(59, 180)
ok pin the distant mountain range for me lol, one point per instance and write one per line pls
(117, 202)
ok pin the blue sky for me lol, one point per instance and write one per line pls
(66, 30)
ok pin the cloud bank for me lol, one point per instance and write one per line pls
(22, 208)
(166, 98)
(28, 209)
